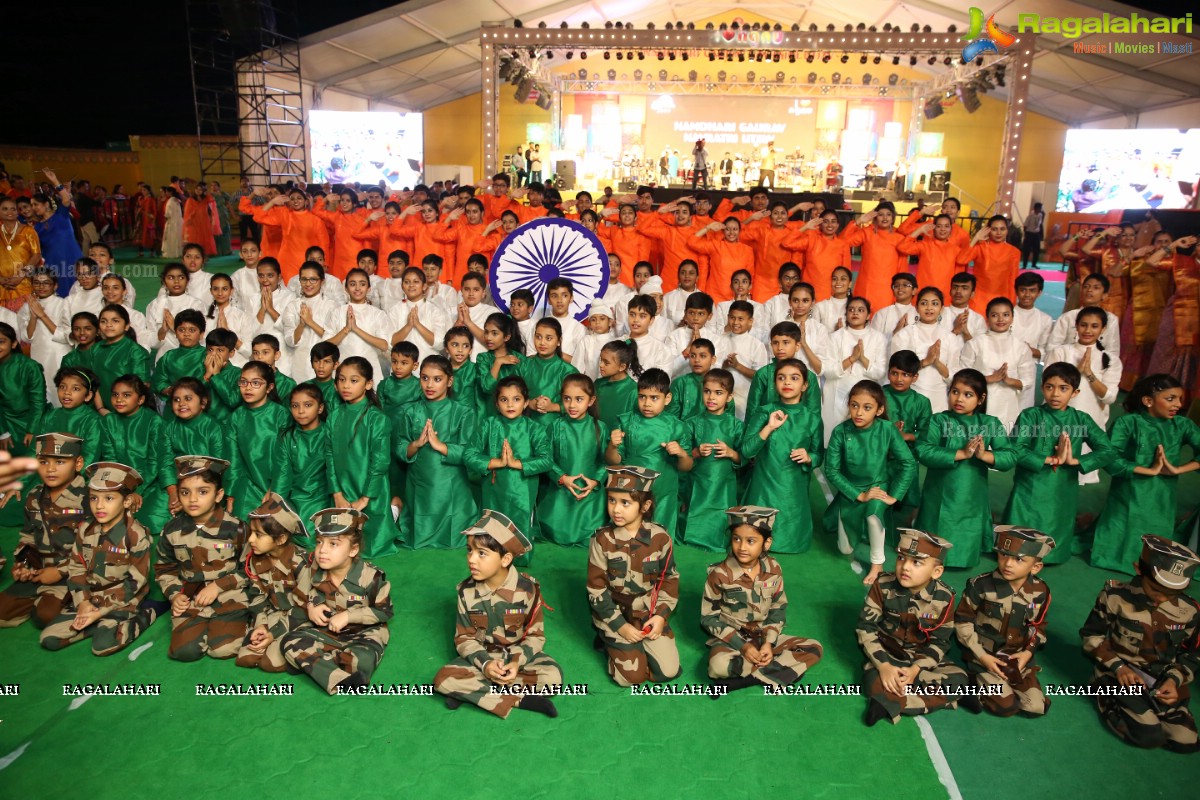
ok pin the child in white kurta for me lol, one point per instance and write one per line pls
(847, 363)
(1001, 349)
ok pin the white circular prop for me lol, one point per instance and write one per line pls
(542, 250)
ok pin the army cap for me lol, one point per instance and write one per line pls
(1017, 540)
(919, 544)
(63, 445)
(503, 530)
(759, 517)
(194, 465)
(1172, 563)
(276, 508)
(336, 521)
(109, 476)
(630, 479)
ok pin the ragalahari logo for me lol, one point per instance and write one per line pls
(984, 37)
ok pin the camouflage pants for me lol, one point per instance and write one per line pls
(218, 635)
(933, 675)
(1023, 696)
(270, 660)
(329, 661)
(1143, 724)
(793, 657)
(23, 600)
(634, 663)
(109, 634)
(461, 679)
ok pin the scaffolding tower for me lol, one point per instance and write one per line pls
(249, 102)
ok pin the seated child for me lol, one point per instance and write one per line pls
(273, 565)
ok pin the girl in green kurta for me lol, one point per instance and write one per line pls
(190, 429)
(573, 507)
(716, 438)
(303, 473)
(253, 433)
(510, 454)
(457, 343)
(118, 353)
(357, 455)
(1148, 443)
(1047, 442)
(617, 389)
(786, 442)
(432, 438)
(76, 414)
(185, 361)
(958, 447)
(870, 467)
(134, 435)
(910, 412)
(395, 392)
(544, 372)
(786, 342)
(504, 351)
(85, 330)
(21, 404)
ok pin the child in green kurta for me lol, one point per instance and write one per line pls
(910, 412)
(76, 387)
(1148, 444)
(395, 393)
(543, 373)
(504, 350)
(616, 390)
(573, 506)
(716, 437)
(22, 394)
(859, 466)
(185, 361)
(432, 438)
(1047, 441)
(265, 348)
(457, 343)
(85, 332)
(655, 441)
(117, 354)
(324, 358)
(222, 376)
(687, 398)
(303, 478)
(189, 429)
(958, 447)
(785, 440)
(786, 341)
(134, 435)
(357, 455)
(253, 432)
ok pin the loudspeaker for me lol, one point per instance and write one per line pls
(629, 185)
(565, 169)
(565, 183)
(939, 181)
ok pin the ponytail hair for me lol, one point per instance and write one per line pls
(509, 327)
(626, 352)
(1146, 388)
(1102, 315)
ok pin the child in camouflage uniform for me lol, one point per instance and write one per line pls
(340, 606)
(633, 586)
(498, 631)
(1000, 622)
(273, 563)
(198, 568)
(54, 510)
(1146, 633)
(744, 611)
(109, 571)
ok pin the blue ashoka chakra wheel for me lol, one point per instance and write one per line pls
(542, 250)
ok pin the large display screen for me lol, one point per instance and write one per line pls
(367, 147)
(1105, 170)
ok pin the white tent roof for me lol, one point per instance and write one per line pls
(423, 53)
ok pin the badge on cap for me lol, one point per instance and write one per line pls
(760, 517)
(276, 508)
(919, 544)
(630, 479)
(63, 445)
(503, 530)
(1017, 540)
(194, 465)
(336, 521)
(1172, 563)
(110, 476)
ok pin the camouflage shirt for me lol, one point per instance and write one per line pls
(898, 626)
(623, 571)
(271, 581)
(506, 621)
(364, 594)
(50, 525)
(111, 570)
(738, 608)
(191, 556)
(1125, 628)
(991, 617)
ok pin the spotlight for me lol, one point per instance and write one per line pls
(952, 29)
(825, 58)
(887, 27)
(779, 76)
(741, 56)
(912, 61)
(542, 24)
(968, 98)
(867, 79)
(692, 75)
(777, 27)
(670, 26)
(947, 61)
(933, 108)
(837, 78)
(812, 77)
(562, 24)
(660, 55)
(754, 27)
(685, 56)
(795, 27)
(809, 58)
(570, 55)
(583, 54)
(629, 56)
(712, 56)
(620, 55)
(893, 79)
(584, 25)
(608, 24)
(607, 55)
(750, 76)
(775, 57)
(862, 26)
(932, 60)
(915, 28)
(708, 26)
(876, 59)
(734, 26)
(549, 55)
(662, 74)
(829, 28)
(845, 58)
(895, 61)
(862, 59)
(721, 76)
(927, 29)
(583, 74)
(671, 55)
(849, 28)
(637, 74)
(612, 74)
(518, 24)
(791, 58)
(812, 27)
(641, 56)
(758, 56)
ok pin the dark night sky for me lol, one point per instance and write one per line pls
(98, 72)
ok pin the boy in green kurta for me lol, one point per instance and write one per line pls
(221, 376)
(265, 348)
(1047, 441)
(687, 395)
(616, 391)
(184, 361)
(785, 344)
(574, 507)
(716, 436)
(655, 441)
(785, 440)
(325, 358)
(396, 392)
(118, 354)
(85, 333)
(909, 411)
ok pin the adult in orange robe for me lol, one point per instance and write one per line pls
(300, 229)
(997, 264)
(629, 243)
(198, 213)
(465, 229)
(674, 226)
(766, 233)
(936, 252)
(272, 235)
(20, 250)
(822, 250)
(880, 258)
(382, 234)
(343, 223)
(726, 255)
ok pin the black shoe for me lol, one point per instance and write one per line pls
(453, 703)
(875, 713)
(598, 644)
(733, 684)
(541, 705)
(969, 702)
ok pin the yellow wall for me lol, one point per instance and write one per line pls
(453, 132)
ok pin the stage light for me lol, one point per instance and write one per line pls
(825, 58)
(812, 77)
(968, 98)
(947, 61)
(779, 76)
(912, 61)
(926, 29)
(712, 56)
(750, 76)
(766, 88)
(741, 56)
(867, 79)
(649, 26)
(777, 27)
(791, 58)
(824, 90)
(671, 55)
(862, 59)
(933, 108)
(660, 55)
(734, 26)
(1000, 75)
(620, 55)
(583, 54)
(722, 27)
(584, 25)
(708, 27)
(754, 27)
(721, 76)
(629, 56)
(849, 28)
(795, 27)
(607, 55)
(809, 58)
(542, 24)
(887, 27)
(662, 74)
(845, 58)
(583, 74)
(860, 27)
(883, 91)
(691, 26)
(562, 24)
(775, 57)
(837, 78)
(952, 29)
(915, 28)
(608, 24)
(895, 61)
(876, 59)
(641, 55)
(932, 60)
(518, 24)
(570, 55)
(685, 56)
(893, 79)
(549, 55)
(829, 28)
(873, 29)
(812, 27)
(758, 56)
